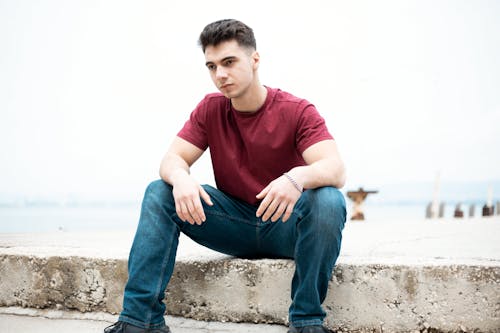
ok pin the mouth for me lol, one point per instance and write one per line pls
(225, 85)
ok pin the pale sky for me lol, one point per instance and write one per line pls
(92, 92)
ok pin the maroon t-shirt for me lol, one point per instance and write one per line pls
(249, 150)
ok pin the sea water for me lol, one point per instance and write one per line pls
(47, 218)
(99, 217)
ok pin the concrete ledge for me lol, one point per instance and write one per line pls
(437, 293)
(361, 297)
(83, 284)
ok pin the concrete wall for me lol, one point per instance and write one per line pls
(362, 297)
(83, 284)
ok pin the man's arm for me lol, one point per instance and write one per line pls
(324, 168)
(174, 169)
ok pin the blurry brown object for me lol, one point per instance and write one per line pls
(358, 197)
(487, 210)
(458, 211)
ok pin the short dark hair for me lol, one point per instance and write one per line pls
(225, 30)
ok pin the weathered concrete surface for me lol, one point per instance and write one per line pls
(361, 297)
(445, 289)
(83, 284)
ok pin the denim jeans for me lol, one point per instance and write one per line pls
(311, 237)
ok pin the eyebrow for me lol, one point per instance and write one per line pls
(223, 59)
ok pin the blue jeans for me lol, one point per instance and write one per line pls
(311, 237)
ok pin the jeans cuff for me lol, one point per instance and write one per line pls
(306, 322)
(140, 324)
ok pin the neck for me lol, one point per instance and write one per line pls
(252, 100)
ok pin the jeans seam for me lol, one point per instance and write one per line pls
(230, 217)
(226, 216)
(158, 286)
(132, 321)
(308, 322)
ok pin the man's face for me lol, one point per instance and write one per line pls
(232, 67)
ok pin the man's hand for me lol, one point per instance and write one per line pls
(279, 197)
(187, 193)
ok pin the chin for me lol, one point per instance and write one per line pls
(230, 94)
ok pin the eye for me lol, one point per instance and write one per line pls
(228, 62)
(211, 67)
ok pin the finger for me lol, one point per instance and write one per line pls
(288, 213)
(279, 211)
(264, 192)
(270, 210)
(263, 206)
(204, 195)
(193, 213)
(198, 210)
(178, 210)
(188, 217)
(182, 212)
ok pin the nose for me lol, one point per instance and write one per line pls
(220, 73)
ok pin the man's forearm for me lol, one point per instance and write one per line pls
(325, 172)
(171, 167)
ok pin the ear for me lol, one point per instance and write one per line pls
(256, 60)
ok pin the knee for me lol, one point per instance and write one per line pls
(155, 209)
(326, 205)
(158, 192)
(325, 198)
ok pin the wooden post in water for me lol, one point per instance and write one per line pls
(433, 208)
(488, 206)
(441, 210)
(472, 209)
(459, 213)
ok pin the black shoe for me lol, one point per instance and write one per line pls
(309, 329)
(122, 327)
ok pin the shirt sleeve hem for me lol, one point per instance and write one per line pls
(314, 141)
(193, 141)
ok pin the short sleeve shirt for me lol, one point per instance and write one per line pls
(249, 150)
